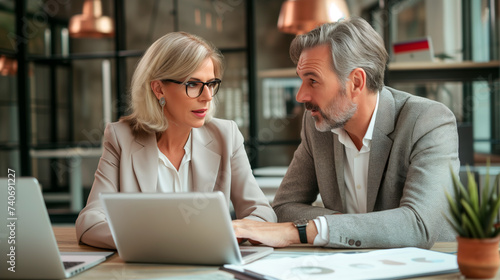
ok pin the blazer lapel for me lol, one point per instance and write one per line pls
(204, 161)
(144, 153)
(381, 145)
(339, 168)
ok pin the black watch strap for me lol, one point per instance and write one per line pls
(302, 233)
(301, 226)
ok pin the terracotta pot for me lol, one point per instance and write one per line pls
(478, 258)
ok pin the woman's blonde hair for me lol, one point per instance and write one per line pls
(176, 56)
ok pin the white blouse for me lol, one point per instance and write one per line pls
(169, 178)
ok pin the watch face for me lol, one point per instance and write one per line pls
(301, 222)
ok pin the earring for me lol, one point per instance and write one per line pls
(162, 102)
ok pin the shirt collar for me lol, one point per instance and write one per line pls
(369, 131)
(188, 147)
(187, 151)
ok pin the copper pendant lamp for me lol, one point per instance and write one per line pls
(91, 23)
(301, 16)
(8, 66)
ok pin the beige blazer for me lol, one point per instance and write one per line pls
(414, 145)
(129, 163)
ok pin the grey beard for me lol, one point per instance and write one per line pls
(333, 121)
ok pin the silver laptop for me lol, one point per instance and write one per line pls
(180, 228)
(28, 248)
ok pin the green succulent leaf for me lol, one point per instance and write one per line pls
(473, 192)
(474, 211)
(467, 224)
(487, 199)
(475, 223)
(496, 185)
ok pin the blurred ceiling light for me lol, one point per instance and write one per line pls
(208, 20)
(302, 16)
(8, 66)
(197, 16)
(91, 23)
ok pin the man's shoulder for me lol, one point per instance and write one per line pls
(404, 96)
(408, 101)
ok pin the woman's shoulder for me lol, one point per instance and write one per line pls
(120, 127)
(121, 136)
(123, 131)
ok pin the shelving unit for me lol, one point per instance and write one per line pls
(443, 71)
(420, 71)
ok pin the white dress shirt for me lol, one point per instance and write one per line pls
(355, 174)
(169, 178)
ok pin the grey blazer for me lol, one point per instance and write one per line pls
(129, 163)
(415, 141)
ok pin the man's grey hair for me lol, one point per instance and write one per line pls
(354, 44)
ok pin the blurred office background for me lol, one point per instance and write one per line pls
(58, 88)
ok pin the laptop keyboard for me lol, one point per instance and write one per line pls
(70, 264)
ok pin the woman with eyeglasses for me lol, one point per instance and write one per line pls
(169, 142)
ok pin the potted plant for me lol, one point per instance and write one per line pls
(474, 219)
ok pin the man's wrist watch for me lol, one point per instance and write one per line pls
(301, 227)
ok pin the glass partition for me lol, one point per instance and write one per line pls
(7, 27)
(148, 20)
(220, 22)
(9, 125)
(476, 114)
(9, 112)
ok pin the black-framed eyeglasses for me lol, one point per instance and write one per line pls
(195, 88)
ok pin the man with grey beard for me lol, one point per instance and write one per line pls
(379, 158)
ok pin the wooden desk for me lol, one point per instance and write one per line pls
(116, 268)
